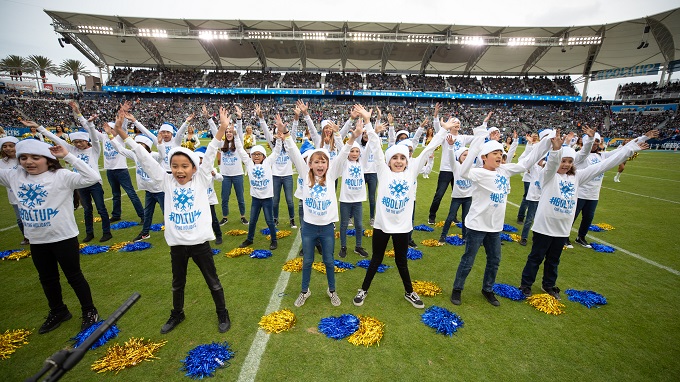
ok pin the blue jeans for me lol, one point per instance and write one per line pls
(444, 179)
(215, 222)
(371, 180)
(453, 210)
(544, 247)
(523, 206)
(529, 220)
(17, 214)
(311, 234)
(150, 200)
(287, 183)
(94, 192)
(588, 207)
(348, 210)
(202, 256)
(265, 205)
(237, 182)
(492, 246)
(121, 178)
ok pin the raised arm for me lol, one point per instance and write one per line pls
(85, 175)
(207, 165)
(155, 171)
(554, 159)
(588, 141)
(617, 157)
(177, 139)
(291, 147)
(50, 135)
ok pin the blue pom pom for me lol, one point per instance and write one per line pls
(455, 240)
(215, 251)
(261, 254)
(508, 291)
(586, 297)
(93, 249)
(266, 231)
(459, 224)
(423, 227)
(414, 254)
(8, 252)
(342, 264)
(602, 248)
(111, 333)
(442, 320)
(505, 237)
(365, 263)
(203, 360)
(509, 228)
(595, 228)
(123, 224)
(156, 227)
(351, 232)
(338, 328)
(138, 246)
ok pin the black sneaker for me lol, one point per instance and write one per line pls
(455, 221)
(553, 291)
(414, 299)
(276, 222)
(292, 223)
(172, 322)
(361, 252)
(491, 298)
(412, 244)
(318, 248)
(526, 290)
(223, 322)
(106, 237)
(116, 219)
(520, 221)
(218, 240)
(583, 242)
(300, 253)
(25, 242)
(455, 297)
(141, 236)
(53, 320)
(224, 221)
(371, 222)
(90, 317)
(244, 220)
(442, 239)
(568, 244)
(360, 297)
(88, 238)
(246, 243)
(523, 242)
(343, 252)
(273, 245)
(430, 221)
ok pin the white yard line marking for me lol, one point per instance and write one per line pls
(644, 196)
(653, 177)
(254, 356)
(635, 255)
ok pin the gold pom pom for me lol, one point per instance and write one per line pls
(12, 340)
(368, 232)
(236, 252)
(82, 245)
(321, 267)
(236, 232)
(370, 332)
(118, 246)
(279, 235)
(439, 224)
(546, 303)
(132, 353)
(95, 220)
(431, 243)
(189, 145)
(294, 265)
(426, 288)
(605, 226)
(277, 322)
(515, 237)
(337, 235)
(389, 253)
(18, 255)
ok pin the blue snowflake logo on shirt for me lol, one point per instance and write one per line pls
(502, 183)
(32, 195)
(258, 172)
(398, 188)
(567, 189)
(84, 157)
(355, 171)
(183, 198)
(108, 146)
(318, 191)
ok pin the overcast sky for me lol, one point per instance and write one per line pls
(25, 29)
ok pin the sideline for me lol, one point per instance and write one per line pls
(644, 196)
(655, 178)
(252, 361)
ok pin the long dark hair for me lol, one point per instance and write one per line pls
(52, 164)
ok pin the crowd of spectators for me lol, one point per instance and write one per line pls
(187, 78)
(647, 88)
(463, 84)
(222, 80)
(142, 77)
(118, 76)
(9, 115)
(301, 80)
(565, 85)
(344, 81)
(426, 83)
(503, 85)
(260, 80)
(385, 82)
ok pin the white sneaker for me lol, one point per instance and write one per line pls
(414, 299)
(335, 299)
(360, 297)
(302, 298)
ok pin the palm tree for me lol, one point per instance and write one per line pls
(42, 64)
(15, 66)
(74, 68)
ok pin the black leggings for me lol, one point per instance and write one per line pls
(47, 259)
(400, 243)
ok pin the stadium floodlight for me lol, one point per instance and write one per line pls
(210, 35)
(91, 29)
(158, 33)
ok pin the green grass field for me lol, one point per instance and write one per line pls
(635, 337)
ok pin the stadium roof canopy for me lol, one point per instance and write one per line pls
(109, 40)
